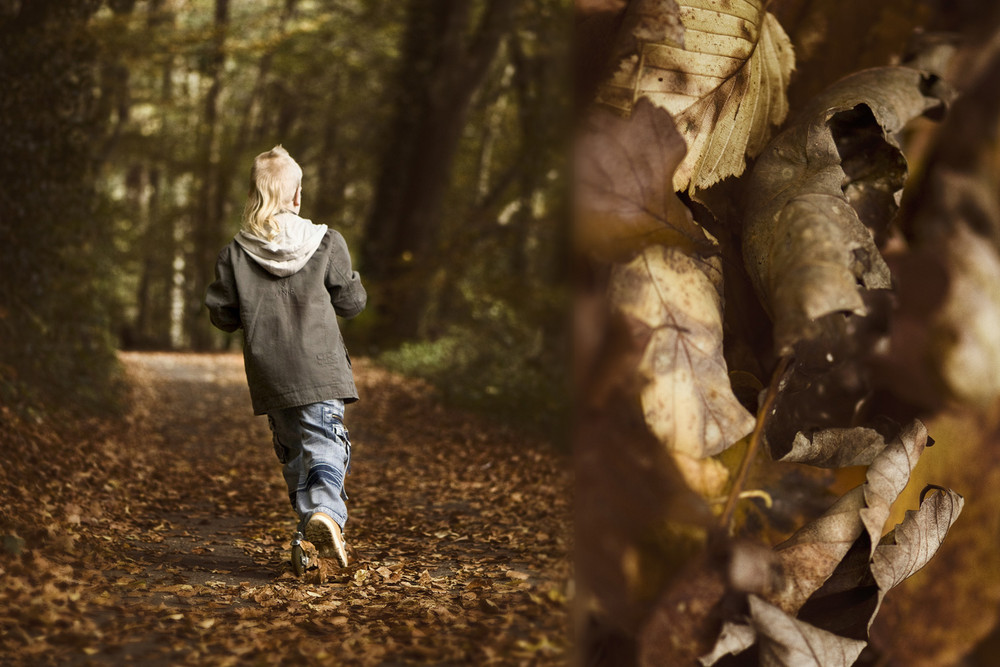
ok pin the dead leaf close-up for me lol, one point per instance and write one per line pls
(812, 486)
(724, 84)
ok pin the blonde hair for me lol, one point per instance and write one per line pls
(274, 179)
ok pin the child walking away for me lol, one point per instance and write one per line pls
(284, 281)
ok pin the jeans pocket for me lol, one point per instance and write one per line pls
(282, 452)
(339, 434)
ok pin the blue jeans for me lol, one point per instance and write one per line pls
(311, 442)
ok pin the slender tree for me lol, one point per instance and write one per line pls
(209, 227)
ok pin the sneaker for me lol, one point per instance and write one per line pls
(325, 535)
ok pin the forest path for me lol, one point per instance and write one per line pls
(459, 534)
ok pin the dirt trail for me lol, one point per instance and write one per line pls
(174, 548)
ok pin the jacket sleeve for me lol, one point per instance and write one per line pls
(222, 298)
(347, 294)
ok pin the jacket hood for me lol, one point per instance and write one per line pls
(294, 245)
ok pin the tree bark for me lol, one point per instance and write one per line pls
(210, 217)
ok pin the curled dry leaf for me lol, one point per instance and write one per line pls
(687, 399)
(854, 594)
(849, 601)
(812, 554)
(860, 584)
(887, 477)
(913, 542)
(807, 250)
(724, 85)
(622, 185)
(837, 447)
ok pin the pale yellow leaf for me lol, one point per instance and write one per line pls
(687, 399)
(724, 85)
(705, 476)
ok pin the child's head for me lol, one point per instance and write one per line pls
(275, 185)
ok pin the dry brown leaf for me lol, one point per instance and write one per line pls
(622, 185)
(955, 599)
(887, 477)
(785, 641)
(788, 642)
(813, 553)
(724, 84)
(687, 399)
(849, 601)
(836, 447)
(806, 249)
(734, 638)
(913, 542)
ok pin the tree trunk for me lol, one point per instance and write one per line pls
(442, 65)
(209, 231)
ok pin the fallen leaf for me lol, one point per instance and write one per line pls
(887, 477)
(807, 251)
(810, 556)
(624, 201)
(734, 638)
(913, 542)
(724, 85)
(837, 447)
(687, 399)
(788, 642)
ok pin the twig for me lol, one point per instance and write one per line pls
(758, 433)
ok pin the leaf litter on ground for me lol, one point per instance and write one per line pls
(165, 536)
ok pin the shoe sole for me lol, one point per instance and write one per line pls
(324, 538)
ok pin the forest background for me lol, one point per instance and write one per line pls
(430, 133)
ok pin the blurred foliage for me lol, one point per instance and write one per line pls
(55, 345)
(496, 361)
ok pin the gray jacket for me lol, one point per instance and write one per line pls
(286, 296)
